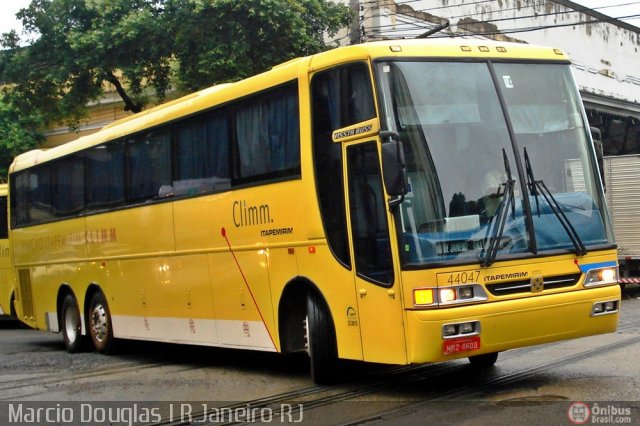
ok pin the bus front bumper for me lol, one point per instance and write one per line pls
(509, 324)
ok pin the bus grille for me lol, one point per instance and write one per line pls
(518, 287)
(26, 298)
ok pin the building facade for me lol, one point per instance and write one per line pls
(604, 51)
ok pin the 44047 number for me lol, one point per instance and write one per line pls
(455, 278)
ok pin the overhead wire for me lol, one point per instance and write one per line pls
(418, 27)
(451, 6)
(544, 27)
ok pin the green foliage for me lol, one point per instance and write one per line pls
(73, 48)
(18, 133)
(226, 40)
(77, 46)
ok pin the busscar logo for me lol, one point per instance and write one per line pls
(352, 132)
(506, 277)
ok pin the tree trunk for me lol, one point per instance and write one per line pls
(128, 102)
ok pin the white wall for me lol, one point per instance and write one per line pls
(606, 56)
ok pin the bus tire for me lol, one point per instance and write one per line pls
(100, 327)
(71, 325)
(484, 360)
(321, 340)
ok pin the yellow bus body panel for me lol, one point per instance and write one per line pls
(515, 320)
(7, 281)
(213, 269)
(513, 324)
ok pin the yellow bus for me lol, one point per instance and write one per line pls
(395, 202)
(7, 293)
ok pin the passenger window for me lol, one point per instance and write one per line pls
(105, 176)
(149, 166)
(40, 186)
(69, 186)
(202, 147)
(20, 199)
(4, 232)
(268, 136)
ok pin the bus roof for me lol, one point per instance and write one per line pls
(222, 93)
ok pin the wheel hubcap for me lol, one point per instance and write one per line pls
(99, 324)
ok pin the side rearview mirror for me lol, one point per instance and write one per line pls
(393, 167)
(596, 136)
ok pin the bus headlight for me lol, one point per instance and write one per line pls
(445, 296)
(465, 292)
(601, 276)
(461, 329)
(604, 308)
(449, 330)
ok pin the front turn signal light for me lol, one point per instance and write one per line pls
(423, 296)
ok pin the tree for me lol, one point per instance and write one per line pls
(74, 47)
(18, 133)
(77, 46)
(226, 40)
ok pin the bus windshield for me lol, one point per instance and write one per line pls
(466, 127)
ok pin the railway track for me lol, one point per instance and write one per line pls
(394, 378)
(452, 381)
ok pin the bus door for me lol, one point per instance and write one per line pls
(377, 287)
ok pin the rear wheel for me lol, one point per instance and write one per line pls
(100, 327)
(484, 360)
(320, 340)
(71, 324)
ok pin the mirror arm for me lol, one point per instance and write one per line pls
(389, 135)
(394, 202)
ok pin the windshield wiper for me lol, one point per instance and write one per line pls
(538, 187)
(501, 216)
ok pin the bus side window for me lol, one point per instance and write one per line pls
(40, 187)
(4, 232)
(148, 165)
(20, 200)
(202, 149)
(105, 176)
(267, 131)
(69, 186)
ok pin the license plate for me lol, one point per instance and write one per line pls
(461, 344)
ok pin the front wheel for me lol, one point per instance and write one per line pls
(484, 360)
(71, 325)
(100, 327)
(321, 340)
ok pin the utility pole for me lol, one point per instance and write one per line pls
(354, 28)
